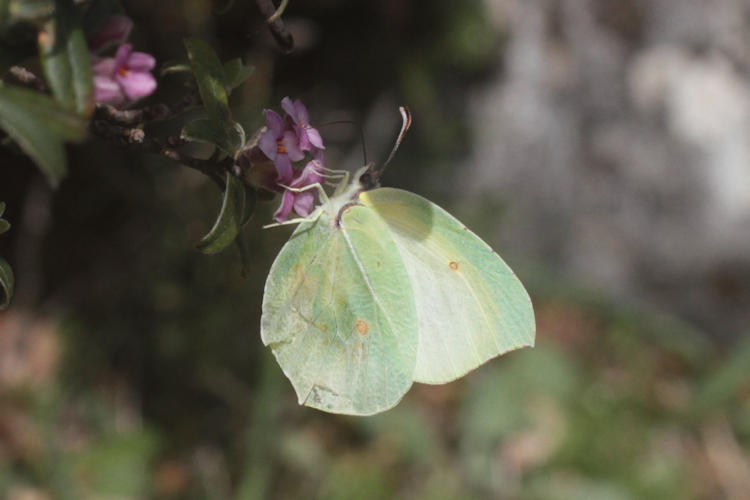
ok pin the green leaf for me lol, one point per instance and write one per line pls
(205, 130)
(31, 10)
(2, 208)
(66, 60)
(40, 125)
(4, 226)
(235, 73)
(209, 74)
(174, 67)
(229, 221)
(6, 284)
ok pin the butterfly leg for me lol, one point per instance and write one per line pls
(321, 191)
(337, 173)
(299, 220)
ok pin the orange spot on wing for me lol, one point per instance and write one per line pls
(453, 265)
(362, 327)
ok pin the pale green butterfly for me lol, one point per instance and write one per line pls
(380, 288)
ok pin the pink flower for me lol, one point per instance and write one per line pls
(309, 137)
(284, 141)
(280, 145)
(114, 30)
(301, 202)
(124, 78)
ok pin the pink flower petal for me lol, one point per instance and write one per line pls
(136, 85)
(287, 203)
(107, 91)
(122, 55)
(284, 169)
(315, 139)
(288, 106)
(300, 113)
(303, 141)
(267, 143)
(140, 61)
(303, 203)
(104, 67)
(275, 123)
(292, 146)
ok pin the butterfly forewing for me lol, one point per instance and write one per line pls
(339, 315)
(470, 305)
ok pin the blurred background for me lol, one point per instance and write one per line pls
(602, 148)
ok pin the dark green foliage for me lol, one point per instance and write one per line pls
(40, 126)
(230, 219)
(66, 60)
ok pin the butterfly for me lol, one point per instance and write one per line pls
(380, 288)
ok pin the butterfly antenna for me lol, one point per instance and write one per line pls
(405, 124)
(364, 146)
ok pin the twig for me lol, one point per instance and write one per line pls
(121, 116)
(136, 137)
(27, 78)
(158, 111)
(276, 24)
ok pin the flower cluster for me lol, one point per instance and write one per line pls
(126, 77)
(284, 141)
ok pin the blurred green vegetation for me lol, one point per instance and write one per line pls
(131, 366)
(607, 405)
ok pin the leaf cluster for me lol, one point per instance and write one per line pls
(215, 82)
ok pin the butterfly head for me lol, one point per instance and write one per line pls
(368, 177)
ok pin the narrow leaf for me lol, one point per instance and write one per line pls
(209, 74)
(39, 125)
(235, 73)
(228, 223)
(83, 78)
(65, 59)
(2, 208)
(7, 283)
